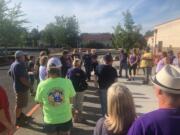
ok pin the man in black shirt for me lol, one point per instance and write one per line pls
(107, 75)
(88, 64)
(66, 63)
(123, 63)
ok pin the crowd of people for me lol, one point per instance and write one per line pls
(62, 81)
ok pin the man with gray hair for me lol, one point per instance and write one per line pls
(21, 84)
(165, 120)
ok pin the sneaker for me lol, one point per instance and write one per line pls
(20, 122)
(129, 79)
(24, 117)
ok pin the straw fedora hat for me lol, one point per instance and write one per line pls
(168, 79)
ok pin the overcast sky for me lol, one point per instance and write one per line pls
(100, 15)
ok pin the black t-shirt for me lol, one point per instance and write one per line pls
(30, 66)
(64, 66)
(106, 76)
(87, 60)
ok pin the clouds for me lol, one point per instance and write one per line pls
(99, 15)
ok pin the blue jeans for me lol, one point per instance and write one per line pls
(148, 71)
(103, 100)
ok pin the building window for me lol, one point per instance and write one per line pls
(160, 44)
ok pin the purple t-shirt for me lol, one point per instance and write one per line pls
(132, 58)
(160, 65)
(159, 122)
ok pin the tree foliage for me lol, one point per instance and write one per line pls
(63, 32)
(12, 33)
(149, 33)
(34, 37)
(128, 36)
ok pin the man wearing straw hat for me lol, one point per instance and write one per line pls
(165, 120)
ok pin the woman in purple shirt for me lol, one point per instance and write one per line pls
(133, 59)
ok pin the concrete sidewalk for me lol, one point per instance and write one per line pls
(144, 98)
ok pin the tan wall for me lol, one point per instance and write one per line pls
(168, 33)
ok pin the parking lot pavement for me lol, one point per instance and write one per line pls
(144, 98)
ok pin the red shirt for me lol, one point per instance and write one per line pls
(4, 104)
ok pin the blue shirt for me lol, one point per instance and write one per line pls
(18, 70)
(159, 122)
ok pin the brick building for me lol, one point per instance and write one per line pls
(104, 38)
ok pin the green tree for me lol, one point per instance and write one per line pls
(35, 37)
(129, 35)
(48, 34)
(117, 38)
(11, 29)
(63, 32)
(149, 33)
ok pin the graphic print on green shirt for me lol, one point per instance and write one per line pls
(54, 94)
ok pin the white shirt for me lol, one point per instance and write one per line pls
(42, 73)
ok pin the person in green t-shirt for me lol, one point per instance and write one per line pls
(55, 95)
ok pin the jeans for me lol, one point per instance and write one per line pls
(103, 100)
(148, 71)
(123, 66)
(78, 101)
(88, 70)
(133, 67)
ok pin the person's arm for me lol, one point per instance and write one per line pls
(25, 82)
(129, 61)
(135, 60)
(72, 92)
(6, 123)
(9, 73)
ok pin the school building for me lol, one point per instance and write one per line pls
(166, 35)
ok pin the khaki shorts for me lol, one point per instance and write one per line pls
(22, 99)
